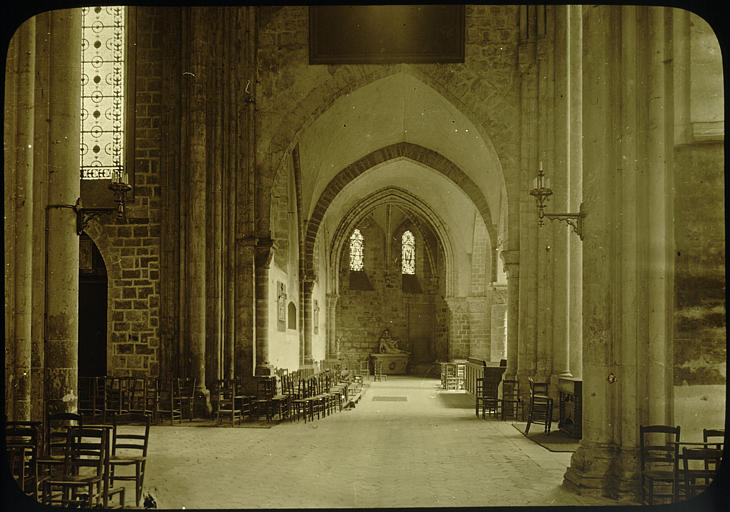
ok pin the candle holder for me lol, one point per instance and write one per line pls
(541, 191)
(119, 186)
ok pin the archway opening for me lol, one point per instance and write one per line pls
(93, 289)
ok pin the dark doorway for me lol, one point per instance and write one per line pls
(92, 310)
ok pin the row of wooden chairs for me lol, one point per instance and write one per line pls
(488, 401)
(100, 397)
(672, 470)
(69, 463)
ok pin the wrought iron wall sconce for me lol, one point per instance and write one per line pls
(541, 191)
(120, 187)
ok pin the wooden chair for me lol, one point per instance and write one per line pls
(378, 374)
(227, 405)
(659, 462)
(23, 442)
(137, 395)
(541, 406)
(715, 436)
(299, 398)
(363, 368)
(314, 400)
(487, 397)
(265, 391)
(170, 402)
(700, 467)
(84, 470)
(54, 440)
(511, 402)
(151, 397)
(92, 397)
(117, 395)
(448, 376)
(130, 449)
(186, 392)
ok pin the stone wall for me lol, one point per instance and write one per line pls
(132, 250)
(699, 320)
(293, 94)
(363, 314)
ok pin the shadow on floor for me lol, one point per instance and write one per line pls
(556, 441)
(456, 400)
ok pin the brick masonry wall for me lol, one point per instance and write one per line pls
(699, 320)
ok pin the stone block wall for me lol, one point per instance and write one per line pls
(699, 320)
(133, 249)
(362, 314)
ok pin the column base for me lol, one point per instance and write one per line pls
(603, 470)
(202, 407)
(264, 369)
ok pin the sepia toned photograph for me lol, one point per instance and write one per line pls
(364, 256)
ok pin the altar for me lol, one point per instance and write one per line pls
(392, 364)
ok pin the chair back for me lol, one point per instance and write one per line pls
(56, 432)
(22, 441)
(186, 387)
(538, 388)
(655, 454)
(136, 441)
(265, 387)
(715, 436)
(86, 448)
(699, 475)
(510, 389)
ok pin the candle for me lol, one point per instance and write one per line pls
(541, 165)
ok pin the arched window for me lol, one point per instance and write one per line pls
(292, 316)
(357, 245)
(103, 63)
(408, 253)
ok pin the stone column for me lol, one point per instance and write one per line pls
(196, 212)
(9, 156)
(575, 180)
(333, 349)
(511, 260)
(264, 255)
(458, 327)
(245, 309)
(23, 97)
(560, 200)
(528, 233)
(41, 143)
(62, 269)
(307, 286)
(592, 464)
(660, 234)
(541, 359)
(498, 342)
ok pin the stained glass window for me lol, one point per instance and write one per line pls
(408, 248)
(102, 91)
(356, 250)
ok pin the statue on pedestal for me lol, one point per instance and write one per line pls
(388, 344)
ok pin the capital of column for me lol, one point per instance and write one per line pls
(247, 241)
(265, 249)
(332, 299)
(511, 261)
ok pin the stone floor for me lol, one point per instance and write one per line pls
(428, 450)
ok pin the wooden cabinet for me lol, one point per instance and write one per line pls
(571, 407)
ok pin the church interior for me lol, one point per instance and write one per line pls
(391, 217)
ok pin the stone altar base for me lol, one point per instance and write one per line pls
(393, 364)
